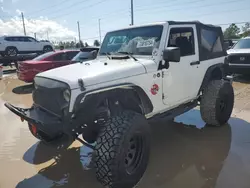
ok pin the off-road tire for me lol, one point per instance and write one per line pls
(9, 49)
(113, 149)
(217, 102)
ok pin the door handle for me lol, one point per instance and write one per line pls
(195, 63)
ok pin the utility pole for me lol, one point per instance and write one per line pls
(132, 12)
(79, 33)
(35, 35)
(47, 35)
(24, 30)
(100, 35)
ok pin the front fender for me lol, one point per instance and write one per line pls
(86, 103)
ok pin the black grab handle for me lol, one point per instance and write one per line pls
(195, 63)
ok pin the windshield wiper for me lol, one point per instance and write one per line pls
(129, 54)
(106, 53)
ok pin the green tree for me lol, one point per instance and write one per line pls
(245, 30)
(72, 44)
(81, 44)
(86, 44)
(232, 32)
(246, 27)
(96, 43)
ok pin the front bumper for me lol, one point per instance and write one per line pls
(239, 69)
(45, 122)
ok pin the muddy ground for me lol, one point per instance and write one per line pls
(181, 156)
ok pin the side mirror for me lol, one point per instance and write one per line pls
(93, 54)
(172, 54)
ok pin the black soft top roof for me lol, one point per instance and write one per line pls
(204, 54)
(193, 22)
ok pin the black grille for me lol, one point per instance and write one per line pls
(239, 58)
(50, 99)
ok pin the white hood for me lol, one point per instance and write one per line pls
(238, 51)
(97, 71)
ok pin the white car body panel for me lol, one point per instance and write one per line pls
(96, 72)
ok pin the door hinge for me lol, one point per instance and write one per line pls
(163, 96)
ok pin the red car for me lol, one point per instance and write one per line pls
(27, 70)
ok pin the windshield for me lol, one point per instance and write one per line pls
(137, 41)
(41, 57)
(242, 44)
(81, 56)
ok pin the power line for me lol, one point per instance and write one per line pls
(171, 5)
(75, 11)
(49, 7)
(68, 7)
(192, 7)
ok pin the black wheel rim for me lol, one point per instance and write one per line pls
(47, 49)
(134, 154)
(12, 52)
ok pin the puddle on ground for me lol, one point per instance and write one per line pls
(181, 156)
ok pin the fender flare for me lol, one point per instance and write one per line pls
(86, 103)
(212, 71)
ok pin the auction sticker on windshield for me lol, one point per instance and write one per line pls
(145, 43)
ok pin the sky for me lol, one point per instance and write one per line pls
(56, 20)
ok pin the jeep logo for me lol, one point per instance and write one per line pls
(242, 58)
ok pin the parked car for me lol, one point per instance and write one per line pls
(28, 69)
(86, 53)
(238, 60)
(13, 45)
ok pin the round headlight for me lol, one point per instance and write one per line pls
(66, 95)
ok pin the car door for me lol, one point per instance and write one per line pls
(59, 59)
(20, 44)
(179, 78)
(33, 44)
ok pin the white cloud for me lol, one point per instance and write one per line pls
(39, 26)
(19, 11)
(4, 10)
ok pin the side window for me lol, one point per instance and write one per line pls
(29, 39)
(59, 57)
(16, 39)
(21, 39)
(71, 55)
(211, 41)
(184, 39)
(8, 39)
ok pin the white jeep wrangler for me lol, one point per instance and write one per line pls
(158, 70)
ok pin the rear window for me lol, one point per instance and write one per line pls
(71, 54)
(81, 56)
(211, 44)
(40, 57)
